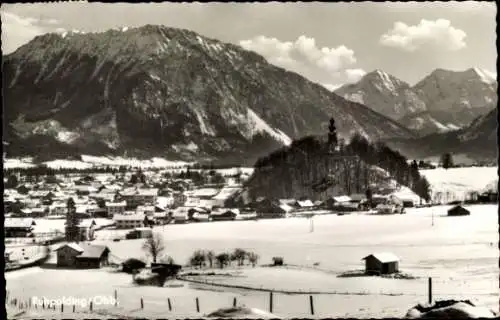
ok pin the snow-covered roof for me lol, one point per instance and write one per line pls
(205, 192)
(129, 217)
(342, 198)
(305, 203)
(383, 257)
(285, 207)
(19, 223)
(72, 245)
(226, 193)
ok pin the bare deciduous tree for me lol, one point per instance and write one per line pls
(154, 246)
(253, 258)
(223, 259)
(239, 255)
(210, 257)
(198, 258)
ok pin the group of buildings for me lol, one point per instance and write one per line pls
(160, 199)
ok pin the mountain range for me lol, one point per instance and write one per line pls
(443, 101)
(155, 90)
(476, 143)
(159, 91)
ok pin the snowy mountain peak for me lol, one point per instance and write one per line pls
(485, 75)
(383, 93)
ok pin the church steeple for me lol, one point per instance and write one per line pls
(332, 136)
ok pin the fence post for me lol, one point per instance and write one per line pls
(116, 298)
(43, 303)
(311, 302)
(197, 305)
(430, 290)
(270, 301)
(142, 303)
(73, 308)
(169, 304)
(62, 307)
(90, 306)
(234, 302)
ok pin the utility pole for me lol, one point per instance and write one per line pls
(433, 216)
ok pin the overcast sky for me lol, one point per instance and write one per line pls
(329, 43)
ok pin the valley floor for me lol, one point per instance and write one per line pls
(459, 253)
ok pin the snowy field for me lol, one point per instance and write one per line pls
(455, 183)
(95, 161)
(460, 253)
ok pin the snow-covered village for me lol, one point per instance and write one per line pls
(150, 171)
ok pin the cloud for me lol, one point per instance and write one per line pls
(438, 34)
(354, 75)
(323, 65)
(302, 52)
(17, 30)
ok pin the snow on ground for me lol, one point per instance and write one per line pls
(457, 182)
(260, 125)
(54, 225)
(63, 164)
(18, 163)
(94, 161)
(460, 254)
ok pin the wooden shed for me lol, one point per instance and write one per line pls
(381, 263)
(458, 211)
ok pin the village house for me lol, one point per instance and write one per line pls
(137, 197)
(146, 210)
(225, 194)
(161, 217)
(179, 199)
(265, 208)
(82, 255)
(304, 205)
(129, 221)
(180, 214)
(339, 203)
(84, 189)
(58, 209)
(116, 208)
(165, 202)
(224, 214)
(38, 212)
(140, 233)
(18, 228)
(381, 263)
(102, 197)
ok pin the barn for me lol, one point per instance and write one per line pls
(381, 263)
(458, 211)
(80, 255)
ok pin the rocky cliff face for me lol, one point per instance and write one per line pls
(443, 101)
(161, 91)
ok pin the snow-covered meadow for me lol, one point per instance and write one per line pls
(87, 161)
(455, 183)
(460, 253)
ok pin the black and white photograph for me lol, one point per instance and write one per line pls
(247, 160)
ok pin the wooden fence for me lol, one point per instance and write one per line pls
(142, 304)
